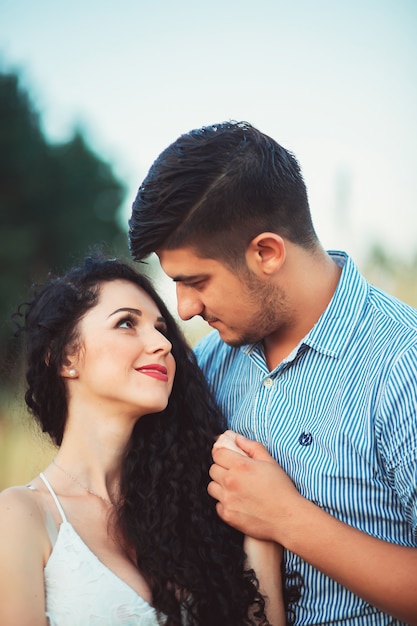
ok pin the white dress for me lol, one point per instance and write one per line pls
(82, 591)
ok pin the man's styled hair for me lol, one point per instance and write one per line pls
(215, 189)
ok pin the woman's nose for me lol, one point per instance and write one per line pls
(157, 342)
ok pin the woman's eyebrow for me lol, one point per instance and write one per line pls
(137, 312)
(128, 309)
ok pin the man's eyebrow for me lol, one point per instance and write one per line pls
(184, 278)
(128, 309)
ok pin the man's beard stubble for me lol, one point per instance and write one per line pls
(271, 306)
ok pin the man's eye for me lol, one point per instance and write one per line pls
(197, 285)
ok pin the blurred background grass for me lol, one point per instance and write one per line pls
(24, 450)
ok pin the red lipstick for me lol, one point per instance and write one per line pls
(154, 370)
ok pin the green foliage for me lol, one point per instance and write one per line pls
(56, 201)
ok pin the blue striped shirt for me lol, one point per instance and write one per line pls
(339, 415)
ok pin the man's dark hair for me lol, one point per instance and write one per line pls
(215, 189)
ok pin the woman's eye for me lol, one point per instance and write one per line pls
(126, 322)
(162, 329)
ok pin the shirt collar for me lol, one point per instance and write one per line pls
(331, 333)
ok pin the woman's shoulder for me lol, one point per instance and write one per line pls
(19, 495)
(21, 508)
(23, 532)
(24, 551)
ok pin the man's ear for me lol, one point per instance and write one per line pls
(266, 254)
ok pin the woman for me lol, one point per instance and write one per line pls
(119, 528)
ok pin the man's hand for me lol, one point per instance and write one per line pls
(252, 490)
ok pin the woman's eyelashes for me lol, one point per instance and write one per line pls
(127, 321)
(162, 328)
(130, 321)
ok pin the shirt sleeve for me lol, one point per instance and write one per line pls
(397, 432)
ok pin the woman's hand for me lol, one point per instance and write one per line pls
(264, 557)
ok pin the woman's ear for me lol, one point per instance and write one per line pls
(69, 369)
(266, 254)
(69, 372)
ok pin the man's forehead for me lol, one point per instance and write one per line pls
(183, 264)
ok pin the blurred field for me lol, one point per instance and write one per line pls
(24, 450)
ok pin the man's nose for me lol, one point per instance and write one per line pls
(188, 302)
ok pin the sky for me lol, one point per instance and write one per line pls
(333, 81)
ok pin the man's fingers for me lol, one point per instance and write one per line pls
(254, 449)
(214, 490)
(217, 473)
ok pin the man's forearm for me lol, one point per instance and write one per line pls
(382, 573)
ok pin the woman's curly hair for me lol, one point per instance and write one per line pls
(193, 562)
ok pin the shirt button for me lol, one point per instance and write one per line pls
(268, 382)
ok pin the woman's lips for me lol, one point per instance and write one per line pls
(154, 370)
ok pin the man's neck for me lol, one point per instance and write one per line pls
(311, 282)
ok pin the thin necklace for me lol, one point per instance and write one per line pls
(77, 482)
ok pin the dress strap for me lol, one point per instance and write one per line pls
(55, 497)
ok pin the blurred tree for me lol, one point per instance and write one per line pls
(56, 201)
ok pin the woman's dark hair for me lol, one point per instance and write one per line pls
(188, 556)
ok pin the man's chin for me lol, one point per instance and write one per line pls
(233, 340)
(230, 336)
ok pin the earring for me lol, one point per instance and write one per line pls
(72, 373)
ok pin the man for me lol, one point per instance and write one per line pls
(308, 359)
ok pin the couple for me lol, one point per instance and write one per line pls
(309, 360)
